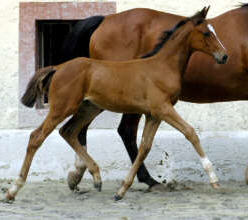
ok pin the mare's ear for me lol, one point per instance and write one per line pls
(200, 16)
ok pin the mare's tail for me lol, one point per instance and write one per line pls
(38, 86)
(76, 43)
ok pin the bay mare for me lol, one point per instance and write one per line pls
(133, 33)
(83, 87)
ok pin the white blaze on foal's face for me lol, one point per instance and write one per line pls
(211, 29)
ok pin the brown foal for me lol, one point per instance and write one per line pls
(84, 87)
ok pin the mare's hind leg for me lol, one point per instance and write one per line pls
(86, 113)
(36, 139)
(169, 115)
(128, 132)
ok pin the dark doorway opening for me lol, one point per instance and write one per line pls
(50, 37)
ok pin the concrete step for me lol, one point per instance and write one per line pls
(172, 156)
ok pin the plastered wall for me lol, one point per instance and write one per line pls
(221, 116)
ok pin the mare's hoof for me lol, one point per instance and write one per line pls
(246, 176)
(215, 185)
(73, 179)
(157, 188)
(76, 189)
(117, 197)
(98, 186)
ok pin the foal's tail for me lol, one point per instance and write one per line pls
(38, 86)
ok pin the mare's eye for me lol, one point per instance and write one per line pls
(207, 34)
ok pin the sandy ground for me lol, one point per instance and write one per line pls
(190, 200)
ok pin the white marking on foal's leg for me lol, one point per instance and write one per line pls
(79, 163)
(17, 185)
(207, 165)
(74, 177)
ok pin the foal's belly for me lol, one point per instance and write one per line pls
(118, 88)
(119, 105)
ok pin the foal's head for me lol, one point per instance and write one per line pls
(203, 37)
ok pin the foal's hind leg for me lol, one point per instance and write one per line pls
(86, 113)
(36, 139)
(169, 115)
(74, 177)
(128, 132)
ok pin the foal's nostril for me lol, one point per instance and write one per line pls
(221, 58)
(224, 58)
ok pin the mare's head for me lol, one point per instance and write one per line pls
(204, 38)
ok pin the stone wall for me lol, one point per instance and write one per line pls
(233, 115)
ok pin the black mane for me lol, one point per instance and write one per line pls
(243, 5)
(165, 36)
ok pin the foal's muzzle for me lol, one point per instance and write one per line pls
(221, 59)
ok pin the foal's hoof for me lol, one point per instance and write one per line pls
(215, 185)
(73, 179)
(98, 186)
(117, 197)
(8, 199)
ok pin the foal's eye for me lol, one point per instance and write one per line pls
(207, 34)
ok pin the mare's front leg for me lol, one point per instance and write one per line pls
(36, 139)
(128, 132)
(151, 126)
(168, 114)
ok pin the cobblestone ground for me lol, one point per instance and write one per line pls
(188, 201)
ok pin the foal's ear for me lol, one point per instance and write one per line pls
(200, 16)
(204, 11)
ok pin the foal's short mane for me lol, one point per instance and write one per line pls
(243, 5)
(165, 36)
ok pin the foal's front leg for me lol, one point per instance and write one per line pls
(128, 132)
(169, 115)
(149, 132)
(36, 139)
